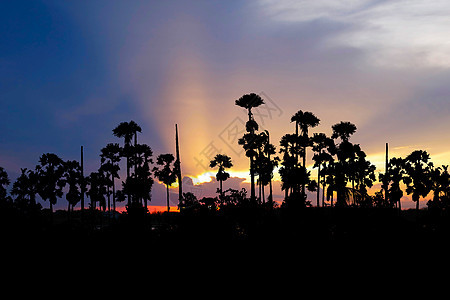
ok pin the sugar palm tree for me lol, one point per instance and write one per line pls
(346, 154)
(292, 174)
(343, 130)
(166, 173)
(25, 188)
(110, 158)
(127, 130)
(418, 171)
(320, 142)
(250, 101)
(50, 178)
(97, 189)
(391, 181)
(304, 121)
(72, 176)
(142, 180)
(223, 162)
(269, 163)
(4, 182)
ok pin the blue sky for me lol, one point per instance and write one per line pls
(70, 71)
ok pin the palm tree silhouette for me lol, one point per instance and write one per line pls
(141, 180)
(266, 164)
(292, 174)
(222, 161)
(391, 181)
(50, 178)
(25, 188)
(127, 130)
(346, 154)
(304, 121)
(110, 158)
(4, 182)
(320, 142)
(418, 175)
(249, 101)
(72, 176)
(97, 189)
(167, 173)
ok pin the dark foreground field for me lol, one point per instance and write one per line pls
(274, 230)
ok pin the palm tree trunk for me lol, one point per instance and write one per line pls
(252, 180)
(221, 192)
(323, 193)
(353, 191)
(318, 186)
(109, 200)
(270, 191)
(128, 176)
(259, 196)
(168, 206)
(113, 193)
(304, 166)
(263, 198)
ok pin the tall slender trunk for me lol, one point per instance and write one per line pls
(263, 198)
(304, 183)
(252, 180)
(168, 206)
(353, 191)
(323, 193)
(113, 192)
(318, 186)
(109, 199)
(128, 176)
(252, 172)
(259, 187)
(221, 191)
(270, 191)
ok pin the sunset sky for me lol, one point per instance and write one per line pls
(70, 71)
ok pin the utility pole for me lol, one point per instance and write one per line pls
(82, 180)
(386, 174)
(180, 184)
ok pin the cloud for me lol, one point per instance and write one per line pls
(399, 33)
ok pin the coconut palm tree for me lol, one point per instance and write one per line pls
(223, 162)
(250, 101)
(166, 173)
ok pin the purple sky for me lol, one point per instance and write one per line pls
(70, 71)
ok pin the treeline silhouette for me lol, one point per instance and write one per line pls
(343, 210)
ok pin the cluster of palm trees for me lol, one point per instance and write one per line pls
(342, 171)
(53, 177)
(342, 167)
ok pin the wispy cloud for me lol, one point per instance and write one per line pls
(396, 33)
